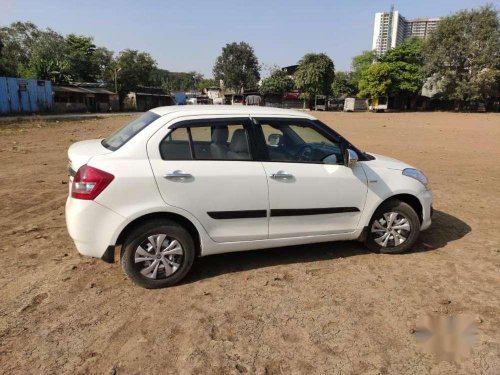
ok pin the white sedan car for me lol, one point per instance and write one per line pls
(182, 181)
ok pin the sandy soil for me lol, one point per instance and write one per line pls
(331, 308)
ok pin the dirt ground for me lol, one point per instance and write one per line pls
(330, 309)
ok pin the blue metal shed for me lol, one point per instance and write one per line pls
(18, 95)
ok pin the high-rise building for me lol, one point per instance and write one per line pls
(391, 29)
(421, 27)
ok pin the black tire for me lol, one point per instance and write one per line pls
(139, 235)
(403, 209)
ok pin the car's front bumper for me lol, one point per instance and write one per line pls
(426, 201)
(91, 226)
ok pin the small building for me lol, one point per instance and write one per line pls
(213, 92)
(84, 98)
(19, 95)
(146, 98)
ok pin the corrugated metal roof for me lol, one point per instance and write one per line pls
(81, 90)
(98, 90)
(78, 90)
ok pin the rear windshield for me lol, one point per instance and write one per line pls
(122, 136)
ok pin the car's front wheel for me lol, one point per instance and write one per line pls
(158, 254)
(393, 229)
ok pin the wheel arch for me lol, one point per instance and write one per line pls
(409, 199)
(177, 218)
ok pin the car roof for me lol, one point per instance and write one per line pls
(195, 110)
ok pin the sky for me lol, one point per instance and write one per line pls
(188, 35)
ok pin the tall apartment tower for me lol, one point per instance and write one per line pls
(391, 29)
(421, 27)
(388, 31)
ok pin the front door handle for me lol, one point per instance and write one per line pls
(281, 175)
(178, 175)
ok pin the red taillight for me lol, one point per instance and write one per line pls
(89, 182)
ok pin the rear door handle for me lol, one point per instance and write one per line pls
(281, 175)
(177, 175)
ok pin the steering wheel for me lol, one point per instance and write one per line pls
(305, 153)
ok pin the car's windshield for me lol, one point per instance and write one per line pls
(122, 136)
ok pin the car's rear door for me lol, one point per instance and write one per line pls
(206, 166)
(311, 191)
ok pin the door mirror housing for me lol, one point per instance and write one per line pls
(274, 140)
(351, 158)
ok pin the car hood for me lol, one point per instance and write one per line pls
(382, 161)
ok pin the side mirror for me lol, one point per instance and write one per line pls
(352, 158)
(274, 140)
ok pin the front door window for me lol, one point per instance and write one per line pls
(291, 141)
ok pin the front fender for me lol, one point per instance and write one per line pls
(384, 183)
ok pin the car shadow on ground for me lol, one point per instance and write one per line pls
(445, 228)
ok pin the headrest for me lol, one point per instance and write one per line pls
(239, 141)
(219, 135)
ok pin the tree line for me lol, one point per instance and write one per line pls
(27, 51)
(460, 61)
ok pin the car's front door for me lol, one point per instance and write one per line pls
(206, 167)
(311, 191)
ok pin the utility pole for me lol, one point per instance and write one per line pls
(116, 70)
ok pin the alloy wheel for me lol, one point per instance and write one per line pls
(391, 230)
(159, 256)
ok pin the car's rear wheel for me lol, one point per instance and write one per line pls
(158, 254)
(393, 229)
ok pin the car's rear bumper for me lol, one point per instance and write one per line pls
(91, 226)
(426, 201)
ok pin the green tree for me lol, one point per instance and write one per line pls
(463, 55)
(205, 83)
(132, 69)
(57, 71)
(360, 63)
(46, 55)
(276, 84)
(175, 81)
(399, 72)
(2, 68)
(79, 51)
(100, 61)
(33, 53)
(375, 81)
(237, 67)
(343, 85)
(17, 40)
(314, 75)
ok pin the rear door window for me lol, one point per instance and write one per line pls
(176, 145)
(210, 140)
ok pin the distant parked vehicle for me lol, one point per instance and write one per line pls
(234, 99)
(320, 103)
(180, 98)
(378, 104)
(253, 100)
(335, 105)
(237, 100)
(354, 104)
